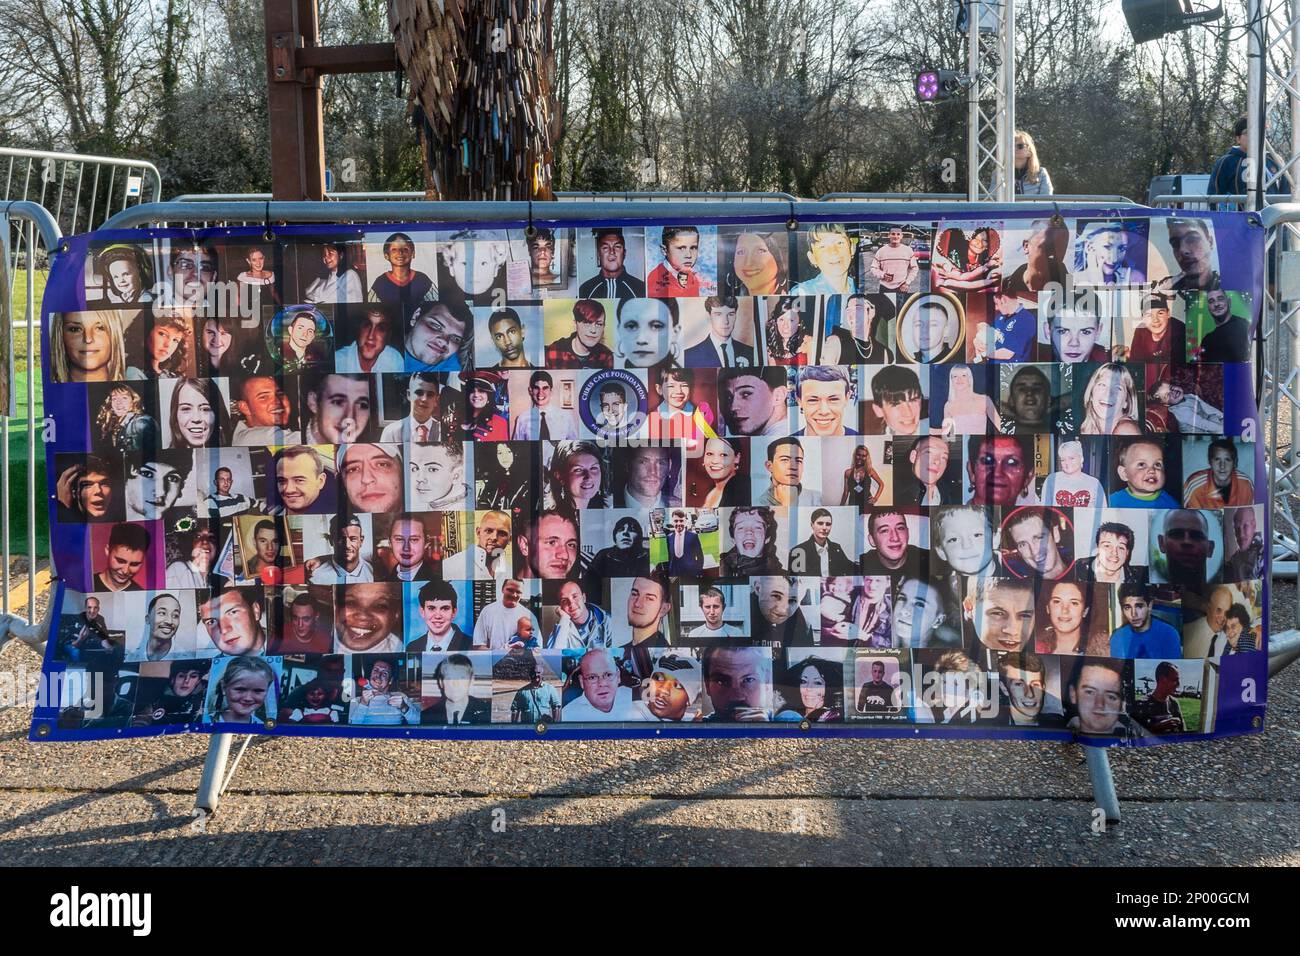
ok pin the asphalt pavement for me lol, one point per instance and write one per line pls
(775, 802)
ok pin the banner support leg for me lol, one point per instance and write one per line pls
(214, 772)
(1103, 784)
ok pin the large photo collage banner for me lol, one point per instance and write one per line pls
(956, 476)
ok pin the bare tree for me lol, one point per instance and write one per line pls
(88, 55)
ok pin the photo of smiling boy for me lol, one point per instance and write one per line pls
(303, 483)
(1031, 690)
(961, 540)
(263, 406)
(167, 631)
(827, 399)
(1144, 468)
(829, 251)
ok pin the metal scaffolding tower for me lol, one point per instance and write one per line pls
(1273, 115)
(991, 98)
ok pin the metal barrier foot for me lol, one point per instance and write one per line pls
(214, 779)
(1103, 784)
(35, 636)
(1283, 650)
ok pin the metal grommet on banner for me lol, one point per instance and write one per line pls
(1256, 722)
(269, 724)
(43, 730)
(792, 223)
(1057, 219)
(267, 233)
(530, 231)
(805, 724)
(540, 727)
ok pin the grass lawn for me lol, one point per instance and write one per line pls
(18, 450)
(709, 542)
(1191, 708)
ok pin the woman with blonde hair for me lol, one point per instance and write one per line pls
(968, 412)
(123, 424)
(87, 347)
(863, 485)
(1110, 403)
(1031, 177)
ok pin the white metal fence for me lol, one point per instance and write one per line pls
(46, 195)
(80, 192)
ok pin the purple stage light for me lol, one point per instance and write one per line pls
(927, 86)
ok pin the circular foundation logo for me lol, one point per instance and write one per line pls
(613, 404)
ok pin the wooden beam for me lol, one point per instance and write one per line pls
(358, 58)
(294, 105)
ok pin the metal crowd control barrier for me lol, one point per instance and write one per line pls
(1194, 201)
(34, 233)
(659, 196)
(195, 211)
(562, 196)
(78, 191)
(54, 194)
(942, 197)
(216, 776)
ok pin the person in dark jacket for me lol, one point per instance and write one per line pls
(685, 555)
(819, 556)
(455, 677)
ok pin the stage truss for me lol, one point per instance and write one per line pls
(991, 100)
(1273, 113)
